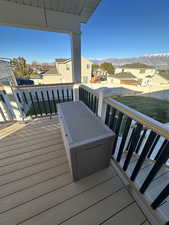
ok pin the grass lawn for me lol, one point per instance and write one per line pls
(155, 108)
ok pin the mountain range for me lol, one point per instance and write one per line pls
(160, 61)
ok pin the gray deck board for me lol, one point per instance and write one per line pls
(36, 186)
(130, 215)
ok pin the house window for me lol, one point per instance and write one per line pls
(142, 70)
(67, 67)
(88, 66)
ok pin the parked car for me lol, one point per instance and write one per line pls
(21, 81)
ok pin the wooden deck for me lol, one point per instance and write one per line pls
(36, 186)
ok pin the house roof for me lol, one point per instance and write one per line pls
(82, 8)
(125, 76)
(62, 60)
(164, 75)
(137, 66)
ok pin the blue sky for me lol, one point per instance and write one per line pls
(118, 28)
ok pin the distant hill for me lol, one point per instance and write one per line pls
(160, 61)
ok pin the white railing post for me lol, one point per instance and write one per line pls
(103, 93)
(76, 92)
(5, 107)
(15, 105)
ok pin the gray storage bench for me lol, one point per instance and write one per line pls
(87, 140)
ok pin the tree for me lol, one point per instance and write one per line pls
(34, 64)
(95, 67)
(108, 67)
(21, 69)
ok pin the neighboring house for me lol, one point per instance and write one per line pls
(125, 78)
(141, 71)
(64, 69)
(49, 77)
(163, 76)
(52, 76)
(99, 72)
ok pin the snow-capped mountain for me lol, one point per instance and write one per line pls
(160, 61)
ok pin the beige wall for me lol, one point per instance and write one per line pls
(52, 79)
(49, 79)
(157, 79)
(65, 69)
(136, 72)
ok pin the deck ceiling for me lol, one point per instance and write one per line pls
(82, 8)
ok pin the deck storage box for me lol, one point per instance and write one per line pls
(88, 141)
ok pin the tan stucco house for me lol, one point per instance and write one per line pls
(141, 71)
(50, 77)
(148, 74)
(64, 69)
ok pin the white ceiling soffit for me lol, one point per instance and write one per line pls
(82, 8)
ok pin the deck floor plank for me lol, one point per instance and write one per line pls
(129, 215)
(36, 186)
(27, 163)
(30, 154)
(77, 204)
(104, 209)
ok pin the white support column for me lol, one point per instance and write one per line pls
(76, 57)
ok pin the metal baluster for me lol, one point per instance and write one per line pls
(153, 146)
(72, 94)
(67, 94)
(161, 197)
(63, 97)
(33, 106)
(44, 104)
(49, 102)
(54, 102)
(107, 120)
(134, 140)
(157, 166)
(58, 96)
(143, 155)
(95, 104)
(25, 98)
(39, 107)
(80, 93)
(112, 118)
(126, 130)
(160, 150)
(91, 102)
(117, 129)
(19, 99)
(140, 141)
(2, 98)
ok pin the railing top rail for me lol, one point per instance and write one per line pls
(93, 91)
(147, 121)
(43, 86)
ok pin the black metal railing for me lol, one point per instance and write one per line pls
(123, 120)
(89, 98)
(138, 136)
(42, 101)
(5, 112)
